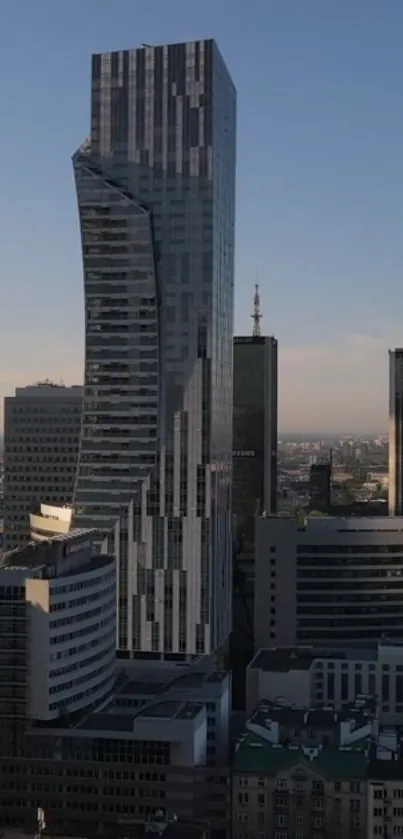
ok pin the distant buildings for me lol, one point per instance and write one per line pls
(396, 432)
(41, 439)
(320, 491)
(328, 580)
(156, 193)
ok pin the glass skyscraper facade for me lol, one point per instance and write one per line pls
(156, 193)
(254, 482)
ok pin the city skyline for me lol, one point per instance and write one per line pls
(320, 178)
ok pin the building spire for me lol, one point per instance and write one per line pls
(256, 315)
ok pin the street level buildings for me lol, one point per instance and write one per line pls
(41, 438)
(156, 194)
(328, 580)
(396, 432)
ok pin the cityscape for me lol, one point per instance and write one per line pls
(201, 614)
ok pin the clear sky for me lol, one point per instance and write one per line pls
(320, 185)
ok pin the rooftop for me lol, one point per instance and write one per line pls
(256, 755)
(126, 722)
(312, 718)
(283, 659)
(185, 681)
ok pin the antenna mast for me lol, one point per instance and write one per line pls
(256, 316)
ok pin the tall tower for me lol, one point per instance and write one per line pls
(254, 479)
(396, 432)
(256, 314)
(156, 194)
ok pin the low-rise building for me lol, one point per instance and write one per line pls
(300, 773)
(314, 676)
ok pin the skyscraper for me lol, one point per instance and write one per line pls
(320, 487)
(396, 432)
(254, 479)
(156, 193)
(41, 438)
(255, 430)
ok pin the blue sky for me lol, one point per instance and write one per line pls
(320, 184)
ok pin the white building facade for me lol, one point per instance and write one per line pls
(70, 620)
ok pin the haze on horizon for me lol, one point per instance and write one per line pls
(320, 185)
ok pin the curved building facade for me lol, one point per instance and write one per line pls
(156, 194)
(69, 612)
(50, 521)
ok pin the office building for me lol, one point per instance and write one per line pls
(57, 629)
(320, 481)
(396, 432)
(41, 439)
(156, 193)
(300, 772)
(254, 467)
(254, 432)
(114, 747)
(316, 677)
(328, 581)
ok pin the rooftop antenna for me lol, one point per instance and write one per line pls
(256, 316)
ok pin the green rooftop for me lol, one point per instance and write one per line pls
(258, 756)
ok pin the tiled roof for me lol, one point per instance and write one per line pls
(257, 756)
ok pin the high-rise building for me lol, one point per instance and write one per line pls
(41, 438)
(156, 193)
(328, 580)
(254, 431)
(254, 480)
(320, 480)
(396, 432)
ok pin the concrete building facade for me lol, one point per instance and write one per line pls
(41, 439)
(314, 677)
(66, 600)
(156, 194)
(328, 580)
